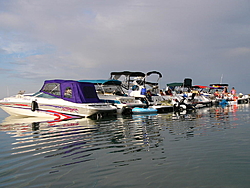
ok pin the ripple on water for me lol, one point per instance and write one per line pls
(152, 150)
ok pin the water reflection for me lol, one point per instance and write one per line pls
(224, 117)
(184, 115)
(64, 144)
(123, 134)
(201, 122)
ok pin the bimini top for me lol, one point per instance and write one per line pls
(117, 75)
(154, 72)
(103, 82)
(200, 86)
(150, 83)
(219, 85)
(69, 90)
(186, 83)
(175, 84)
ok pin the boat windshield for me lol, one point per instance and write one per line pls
(109, 89)
(52, 88)
(44, 95)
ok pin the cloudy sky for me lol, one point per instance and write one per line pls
(87, 39)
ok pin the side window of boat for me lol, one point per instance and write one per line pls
(68, 92)
(89, 92)
(52, 88)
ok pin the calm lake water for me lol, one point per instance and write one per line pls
(208, 148)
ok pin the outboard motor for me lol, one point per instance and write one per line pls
(179, 106)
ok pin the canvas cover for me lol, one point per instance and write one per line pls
(175, 84)
(117, 75)
(199, 86)
(154, 72)
(70, 90)
(218, 85)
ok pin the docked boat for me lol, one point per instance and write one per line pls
(110, 91)
(190, 96)
(60, 99)
(243, 98)
(136, 84)
(220, 93)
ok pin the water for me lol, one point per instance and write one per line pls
(209, 148)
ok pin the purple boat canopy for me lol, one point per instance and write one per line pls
(70, 90)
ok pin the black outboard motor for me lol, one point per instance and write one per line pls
(181, 105)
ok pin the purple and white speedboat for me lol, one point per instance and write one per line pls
(61, 99)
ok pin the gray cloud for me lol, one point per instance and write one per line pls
(89, 39)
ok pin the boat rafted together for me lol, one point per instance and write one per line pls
(137, 85)
(62, 99)
(125, 92)
(221, 94)
(111, 91)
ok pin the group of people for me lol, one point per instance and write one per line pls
(225, 92)
(222, 94)
(167, 92)
(217, 93)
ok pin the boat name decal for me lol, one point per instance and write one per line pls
(63, 108)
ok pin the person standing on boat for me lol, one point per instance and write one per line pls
(225, 92)
(233, 91)
(168, 92)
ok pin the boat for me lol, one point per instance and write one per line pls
(243, 98)
(111, 91)
(188, 96)
(136, 84)
(201, 96)
(61, 99)
(219, 93)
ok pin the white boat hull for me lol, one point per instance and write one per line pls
(51, 107)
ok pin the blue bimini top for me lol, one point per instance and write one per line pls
(103, 82)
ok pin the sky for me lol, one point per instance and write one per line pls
(206, 40)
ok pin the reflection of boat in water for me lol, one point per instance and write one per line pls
(61, 99)
(38, 137)
(69, 143)
(18, 124)
(23, 119)
(184, 115)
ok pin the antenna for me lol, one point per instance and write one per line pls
(221, 79)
